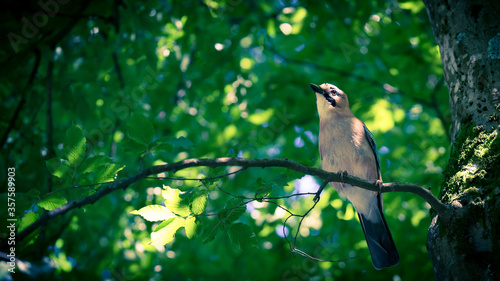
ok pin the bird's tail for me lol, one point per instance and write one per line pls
(378, 237)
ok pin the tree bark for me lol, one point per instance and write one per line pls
(467, 247)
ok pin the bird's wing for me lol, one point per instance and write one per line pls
(373, 146)
(378, 236)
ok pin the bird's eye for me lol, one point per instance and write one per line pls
(330, 99)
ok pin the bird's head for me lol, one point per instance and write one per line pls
(330, 98)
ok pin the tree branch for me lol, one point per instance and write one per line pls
(443, 210)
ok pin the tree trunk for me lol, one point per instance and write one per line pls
(467, 247)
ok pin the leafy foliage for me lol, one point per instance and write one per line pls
(50, 203)
(135, 84)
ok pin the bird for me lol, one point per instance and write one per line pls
(347, 146)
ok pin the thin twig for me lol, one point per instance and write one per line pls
(197, 179)
(302, 217)
(302, 253)
(292, 195)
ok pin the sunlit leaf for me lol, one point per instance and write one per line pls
(175, 203)
(74, 145)
(154, 213)
(164, 223)
(192, 227)
(93, 164)
(27, 220)
(261, 116)
(107, 173)
(59, 167)
(414, 6)
(199, 202)
(166, 234)
(52, 202)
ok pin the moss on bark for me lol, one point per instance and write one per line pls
(472, 174)
(472, 181)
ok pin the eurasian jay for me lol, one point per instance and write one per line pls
(345, 144)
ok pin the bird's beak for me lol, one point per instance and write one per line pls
(316, 88)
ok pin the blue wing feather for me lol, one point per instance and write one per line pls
(373, 145)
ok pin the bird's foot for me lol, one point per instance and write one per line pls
(342, 177)
(379, 183)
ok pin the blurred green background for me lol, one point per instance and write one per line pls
(233, 77)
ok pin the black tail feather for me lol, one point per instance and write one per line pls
(380, 243)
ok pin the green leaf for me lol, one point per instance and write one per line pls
(263, 192)
(414, 6)
(192, 227)
(27, 200)
(199, 202)
(241, 235)
(234, 209)
(59, 168)
(181, 142)
(163, 224)
(165, 144)
(32, 193)
(279, 181)
(93, 164)
(175, 203)
(52, 202)
(27, 220)
(154, 213)
(107, 173)
(132, 146)
(211, 230)
(140, 129)
(264, 188)
(160, 145)
(74, 145)
(84, 180)
(87, 191)
(166, 234)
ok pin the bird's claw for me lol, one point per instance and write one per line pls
(379, 183)
(342, 173)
